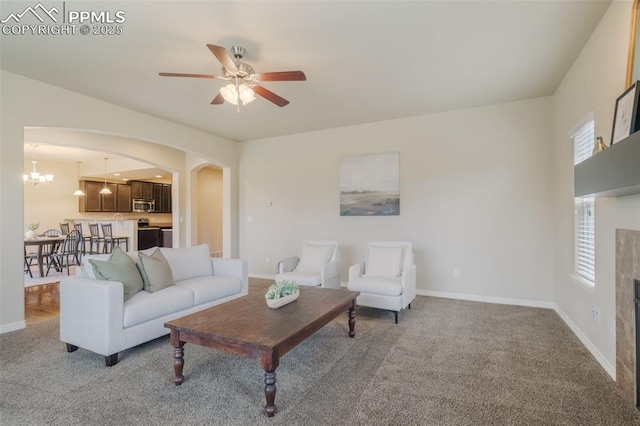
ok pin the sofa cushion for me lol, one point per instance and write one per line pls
(155, 271)
(313, 257)
(377, 285)
(383, 262)
(119, 268)
(302, 278)
(144, 306)
(189, 262)
(208, 289)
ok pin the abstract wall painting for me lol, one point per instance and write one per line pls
(370, 185)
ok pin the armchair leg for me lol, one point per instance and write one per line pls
(409, 307)
(71, 348)
(111, 360)
(396, 314)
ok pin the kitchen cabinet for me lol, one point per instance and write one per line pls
(166, 198)
(93, 202)
(157, 196)
(141, 190)
(148, 237)
(123, 200)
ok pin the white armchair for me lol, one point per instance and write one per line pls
(387, 280)
(318, 265)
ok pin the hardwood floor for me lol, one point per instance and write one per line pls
(42, 302)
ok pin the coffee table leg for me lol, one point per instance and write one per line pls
(178, 357)
(352, 319)
(270, 393)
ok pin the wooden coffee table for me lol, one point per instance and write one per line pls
(247, 326)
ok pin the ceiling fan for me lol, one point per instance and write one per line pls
(244, 82)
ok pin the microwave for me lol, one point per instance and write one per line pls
(144, 206)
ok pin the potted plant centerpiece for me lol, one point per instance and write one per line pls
(279, 294)
(31, 230)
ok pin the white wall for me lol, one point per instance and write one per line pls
(594, 82)
(210, 207)
(27, 102)
(475, 195)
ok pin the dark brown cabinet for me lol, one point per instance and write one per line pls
(166, 198)
(141, 190)
(118, 201)
(92, 201)
(124, 198)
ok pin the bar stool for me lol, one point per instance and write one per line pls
(95, 238)
(109, 241)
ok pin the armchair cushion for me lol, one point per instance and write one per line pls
(119, 268)
(377, 285)
(189, 262)
(155, 271)
(383, 262)
(313, 257)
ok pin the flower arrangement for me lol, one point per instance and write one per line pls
(281, 289)
(32, 226)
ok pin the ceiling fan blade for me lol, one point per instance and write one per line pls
(224, 58)
(282, 76)
(218, 100)
(270, 96)
(177, 74)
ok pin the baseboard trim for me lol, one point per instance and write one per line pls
(610, 369)
(487, 299)
(18, 325)
(263, 276)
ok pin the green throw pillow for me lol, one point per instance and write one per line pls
(119, 268)
(155, 271)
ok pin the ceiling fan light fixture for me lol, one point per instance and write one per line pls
(231, 93)
(246, 94)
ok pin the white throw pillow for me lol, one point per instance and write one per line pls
(313, 257)
(384, 262)
(188, 262)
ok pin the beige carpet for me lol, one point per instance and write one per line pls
(447, 363)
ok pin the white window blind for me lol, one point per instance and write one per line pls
(583, 140)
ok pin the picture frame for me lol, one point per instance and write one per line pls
(633, 68)
(625, 116)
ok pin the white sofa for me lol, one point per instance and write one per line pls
(94, 315)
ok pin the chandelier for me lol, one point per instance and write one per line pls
(34, 177)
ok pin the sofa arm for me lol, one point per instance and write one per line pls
(232, 268)
(288, 264)
(92, 314)
(330, 274)
(356, 271)
(408, 285)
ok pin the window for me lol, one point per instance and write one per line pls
(584, 237)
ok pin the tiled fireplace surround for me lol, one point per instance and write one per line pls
(627, 269)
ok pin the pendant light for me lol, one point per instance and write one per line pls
(105, 190)
(78, 192)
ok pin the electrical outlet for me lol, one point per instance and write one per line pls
(596, 314)
(456, 273)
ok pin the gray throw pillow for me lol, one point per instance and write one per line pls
(155, 271)
(119, 268)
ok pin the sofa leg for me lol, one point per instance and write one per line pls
(71, 348)
(396, 314)
(111, 360)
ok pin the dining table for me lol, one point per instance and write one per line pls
(40, 242)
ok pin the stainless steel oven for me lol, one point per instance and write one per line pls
(144, 206)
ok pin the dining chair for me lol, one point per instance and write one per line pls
(64, 228)
(28, 261)
(95, 238)
(67, 253)
(109, 241)
(51, 233)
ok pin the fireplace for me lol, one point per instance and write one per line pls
(628, 314)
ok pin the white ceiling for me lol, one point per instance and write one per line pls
(365, 61)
